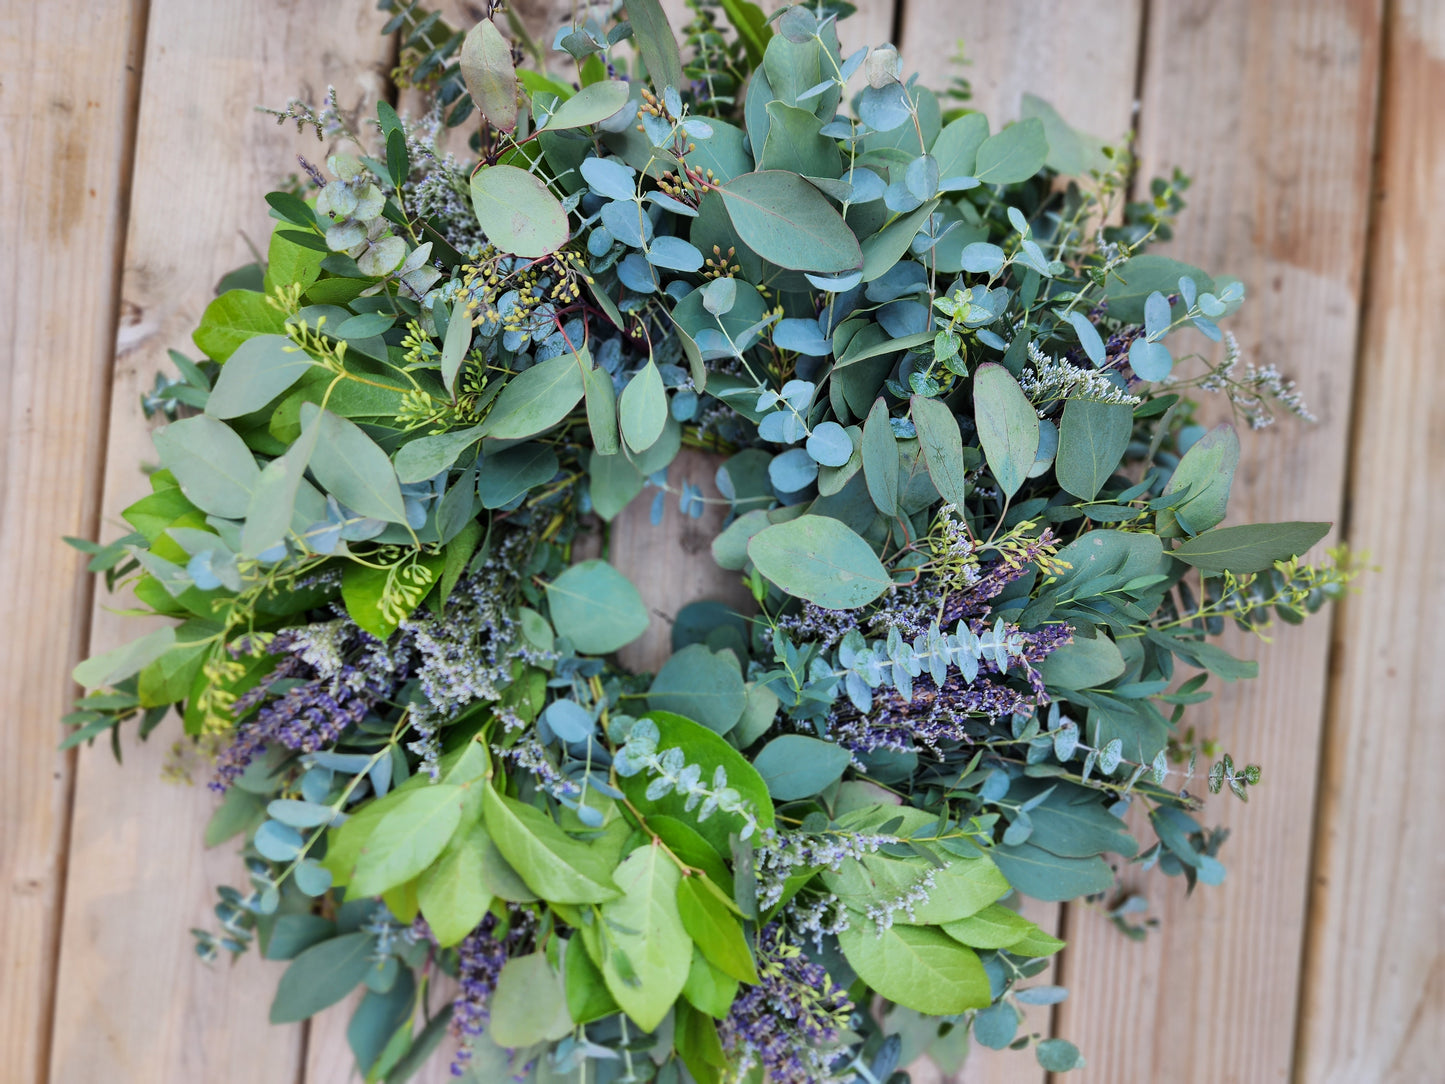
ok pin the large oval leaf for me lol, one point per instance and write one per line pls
(942, 444)
(917, 966)
(321, 976)
(518, 212)
(215, 469)
(646, 928)
(489, 75)
(702, 685)
(1008, 427)
(352, 467)
(557, 867)
(596, 607)
(819, 559)
(590, 105)
(411, 835)
(538, 398)
(260, 369)
(796, 766)
(1092, 439)
(1207, 469)
(1253, 547)
(787, 221)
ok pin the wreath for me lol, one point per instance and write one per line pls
(947, 393)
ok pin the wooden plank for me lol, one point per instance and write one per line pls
(134, 1002)
(68, 78)
(1269, 107)
(1082, 58)
(1374, 989)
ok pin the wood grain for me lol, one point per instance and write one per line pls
(68, 76)
(134, 1003)
(1091, 52)
(1269, 107)
(1373, 990)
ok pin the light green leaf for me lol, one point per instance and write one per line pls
(529, 1004)
(602, 412)
(587, 996)
(796, 766)
(592, 104)
(456, 344)
(234, 317)
(321, 976)
(124, 661)
(916, 966)
(352, 467)
(787, 221)
(1014, 154)
(709, 920)
(701, 685)
(259, 370)
(646, 928)
(708, 990)
(956, 148)
(453, 892)
(1008, 427)
(1092, 439)
(995, 927)
(1208, 470)
(880, 459)
(553, 864)
(657, 43)
(215, 470)
(407, 839)
(425, 457)
(538, 398)
(596, 607)
(274, 500)
(517, 211)
(643, 408)
(942, 444)
(961, 888)
(1254, 547)
(820, 559)
(490, 77)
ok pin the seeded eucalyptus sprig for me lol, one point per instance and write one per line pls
(979, 525)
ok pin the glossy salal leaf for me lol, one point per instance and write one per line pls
(259, 370)
(820, 559)
(412, 834)
(234, 318)
(517, 211)
(538, 398)
(587, 995)
(643, 408)
(453, 892)
(703, 685)
(1092, 440)
(591, 105)
(647, 932)
(710, 920)
(529, 1004)
(796, 766)
(942, 444)
(490, 77)
(1207, 469)
(557, 867)
(351, 467)
(215, 469)
(787, 221)
(1008, 427)
(995, 927)
(321, 976)
(596, 607)
(1254, 547)
(919, 967)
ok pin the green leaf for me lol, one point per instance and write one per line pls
(1071, 152)
(456, 344)
(529, 1004)
(1254, 547)
(291, 935)
(1092, 439)
(709, 920)
(880, 459)
(707, 989)
(752, 27)
(796, 766)
(787, 221)
(1058, 1055)
(1131, 283)
(379, 1017)
(646, 929)
(490, 77)
(995, 927)
(700, 684)
(234, 317)
(602, 413)
(274, 501)
(1008, 427)
(883, 250)
(1044, 876)
(916, 966)
(518, 213)
(125, 661)
(590, 105)
(587, 995)
(538, 398)
(612, 482)
(215, 469)
(352, 467)
(962, 887)
(425, 457)
(643, 408)
(363, 588)
(290, 264)
(596, 607)
(553, 864)
(657, 43)
(1208, 470)
(996, 1026)
(321, 976)
(1082, 664)
(408, 839)
(1013, 155)
(796, 145)
(1072, 823)
(956, 148)
(504, 476)
(820, 559)
(942, 443)
(453, 892)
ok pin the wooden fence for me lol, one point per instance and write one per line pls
(1314, 130)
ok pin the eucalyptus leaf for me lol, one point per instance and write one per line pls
(1008, 427)
(787, 221)
(257, 371)
(820, 559)
(538, 398)
(517, 211)
(596, 607)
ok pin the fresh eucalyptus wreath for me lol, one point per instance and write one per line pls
(965, 490)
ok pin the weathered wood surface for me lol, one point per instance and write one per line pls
(1271, 107)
